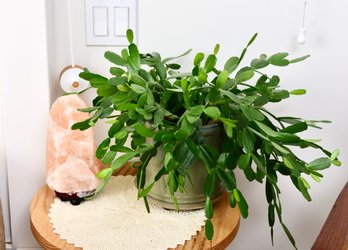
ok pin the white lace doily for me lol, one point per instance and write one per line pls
(116, 220)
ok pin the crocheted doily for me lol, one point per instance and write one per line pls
(116, 220)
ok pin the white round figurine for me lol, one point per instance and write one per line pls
(70, 81)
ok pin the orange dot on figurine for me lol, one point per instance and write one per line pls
(75, 84)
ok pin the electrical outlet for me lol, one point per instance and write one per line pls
(108, 20)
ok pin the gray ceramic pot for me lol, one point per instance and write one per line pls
(194, 197)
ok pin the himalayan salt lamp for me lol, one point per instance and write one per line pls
(71, 165)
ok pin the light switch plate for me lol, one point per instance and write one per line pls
(108, 20)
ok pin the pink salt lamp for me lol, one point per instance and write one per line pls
(71, 165)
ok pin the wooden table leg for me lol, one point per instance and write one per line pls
(334, 233)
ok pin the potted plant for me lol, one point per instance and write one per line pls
(204, 124)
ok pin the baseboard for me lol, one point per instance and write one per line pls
(29, 249)
(9, 247)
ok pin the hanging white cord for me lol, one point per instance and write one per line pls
(302, 35)
(304, 14)
(70, 35)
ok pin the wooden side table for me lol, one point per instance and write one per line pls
(226, 223)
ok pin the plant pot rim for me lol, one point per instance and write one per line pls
(210, 126)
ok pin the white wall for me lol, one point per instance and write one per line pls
(171, 27)
(25, 100)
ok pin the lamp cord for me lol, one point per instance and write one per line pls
(70, 35)
(304, 14)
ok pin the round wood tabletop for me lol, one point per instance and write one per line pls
(225, 221)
